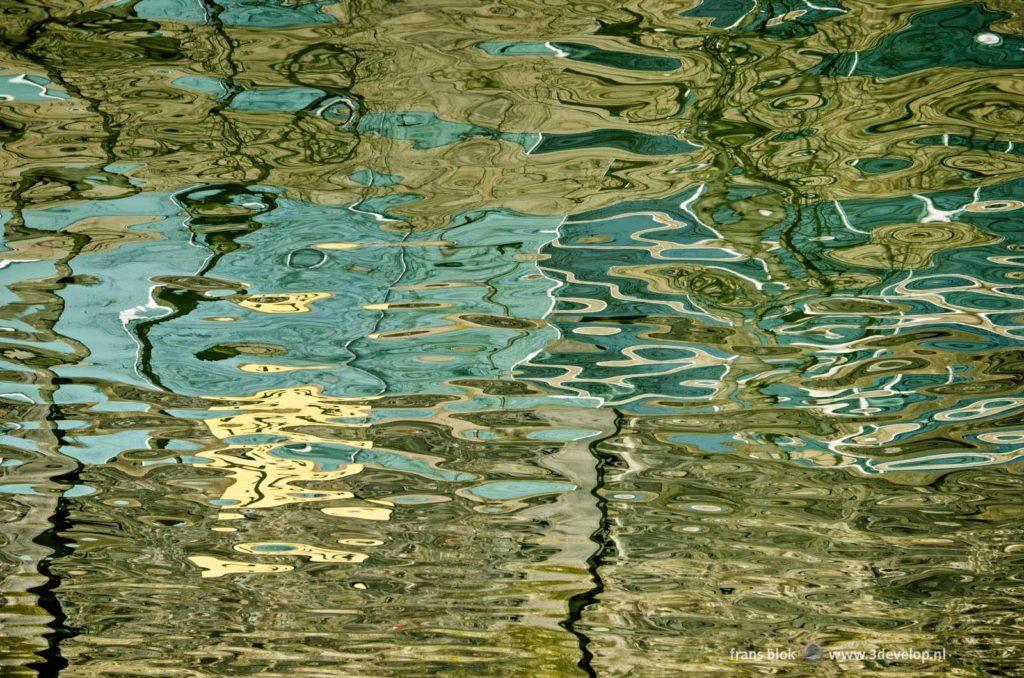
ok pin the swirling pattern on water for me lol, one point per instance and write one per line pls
(514, 338)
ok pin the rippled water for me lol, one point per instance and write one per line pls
(523, 337)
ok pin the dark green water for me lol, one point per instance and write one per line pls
(523, 337)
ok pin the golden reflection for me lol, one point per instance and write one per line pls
(218, 567)
(297, 302)
(315, 554)
(261, 478)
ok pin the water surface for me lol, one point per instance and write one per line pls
(510, 338)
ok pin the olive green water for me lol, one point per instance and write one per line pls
(520, 338)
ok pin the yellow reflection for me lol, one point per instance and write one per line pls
(337, 245)
(281, 411)
(358, 512)
(262, 477)
(297, 302)
(316, 554)
(262, 480)
(215, 567)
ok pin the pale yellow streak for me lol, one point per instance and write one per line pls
(215, 567)
(296, 302)
(316, 554)
(597, 331)
(273, 369)
(358, 512)
(337, 245)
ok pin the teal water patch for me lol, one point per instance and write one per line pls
(723, 13)
(505, 490)
(372, 348)
(24, 87)
(397, 461)
(277, 99)
(705, 442)
(947, 37)
(204, 84)
(81, 490)
(97, 399)
(426, 130)
(103, 314)
(273, 99)
(99, 314)
(375, 179)
(185, 11)
(273, 548)
(882, 165)
(332, 457)
(123, 167)
(632, 61)
(775, 19)
(247, 13)
(20, 488)
(481, 434)
(91, 448)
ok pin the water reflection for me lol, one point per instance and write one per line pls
(415, 338)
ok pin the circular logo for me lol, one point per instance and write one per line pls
(813, 653)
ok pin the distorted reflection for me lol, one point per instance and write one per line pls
(510, 337)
